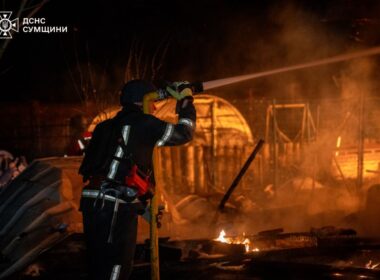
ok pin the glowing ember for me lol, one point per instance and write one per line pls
(371, 265)
(221, 238)
(237, 240)
(166, 205)
(338, 141)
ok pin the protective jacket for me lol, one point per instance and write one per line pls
(130, 137)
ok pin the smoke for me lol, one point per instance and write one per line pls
(312, 192)
(287, 35)
(279, 35)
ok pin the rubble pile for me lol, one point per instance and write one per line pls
(10, 167)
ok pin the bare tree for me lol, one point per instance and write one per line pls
(141, 65)
(92, 83)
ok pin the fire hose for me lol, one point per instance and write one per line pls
(160, 94)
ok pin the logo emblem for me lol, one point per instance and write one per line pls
(7, 25)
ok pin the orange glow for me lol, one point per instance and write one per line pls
(221, 237)
(338, 142)
(348, 158)
(237, 240)
(165, 203)
(371, 265)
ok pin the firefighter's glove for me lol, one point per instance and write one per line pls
(179, 90)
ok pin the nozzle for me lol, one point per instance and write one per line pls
(196, 87)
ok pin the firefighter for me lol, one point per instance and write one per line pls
(79, 136)
(120, 146)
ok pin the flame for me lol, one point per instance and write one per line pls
(165, 202)
(221, 238)
(338, 142)
(371, 265)
(237, 240)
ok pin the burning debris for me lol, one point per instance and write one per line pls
(371, 265)
(237, 240)
(332, 254)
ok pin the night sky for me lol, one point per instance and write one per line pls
(205, 40)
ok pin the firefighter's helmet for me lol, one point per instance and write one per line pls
(134, 91)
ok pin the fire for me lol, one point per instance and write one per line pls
(338, 142)
(221, 237)
(166, 204)
(371, 265)
(237, 240)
